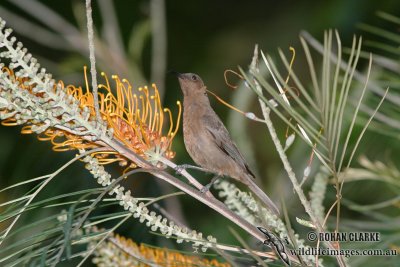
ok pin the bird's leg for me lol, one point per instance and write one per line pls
(206, 188)
(179, 168)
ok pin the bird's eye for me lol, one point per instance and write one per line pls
(194, 78)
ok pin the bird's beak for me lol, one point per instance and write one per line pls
(177, 74)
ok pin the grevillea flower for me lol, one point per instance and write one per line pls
(119, 251)
(137, 118)
(134, 117)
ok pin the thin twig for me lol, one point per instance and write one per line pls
(92, 58)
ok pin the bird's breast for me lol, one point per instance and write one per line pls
(201, 146)
(192, 132)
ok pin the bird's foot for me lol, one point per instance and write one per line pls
(206, 188)
(180, 168)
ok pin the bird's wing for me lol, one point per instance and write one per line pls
(222, 139)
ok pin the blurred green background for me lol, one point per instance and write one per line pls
(205, 37)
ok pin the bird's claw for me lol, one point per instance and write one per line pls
(205, 189)
(178, 169)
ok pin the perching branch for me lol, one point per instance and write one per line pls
(210, 201)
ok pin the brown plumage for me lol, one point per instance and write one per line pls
(208, 141)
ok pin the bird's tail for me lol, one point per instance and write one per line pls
(262, 196)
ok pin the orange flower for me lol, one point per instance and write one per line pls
(136, 118)
(124, 252)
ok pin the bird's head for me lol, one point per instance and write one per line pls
(190, 83)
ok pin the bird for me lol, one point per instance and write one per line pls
(207, 140)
